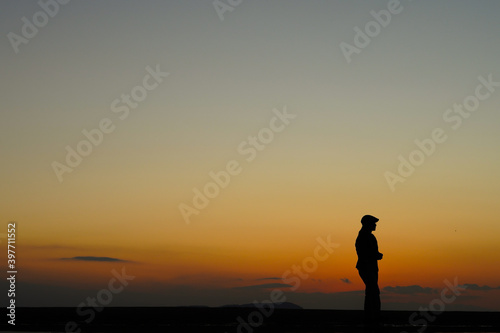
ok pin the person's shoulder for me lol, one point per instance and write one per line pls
(362, 235)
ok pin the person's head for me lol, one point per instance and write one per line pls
(369, 222)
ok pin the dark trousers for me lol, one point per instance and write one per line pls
(372, 293)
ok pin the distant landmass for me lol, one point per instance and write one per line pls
(283, 305)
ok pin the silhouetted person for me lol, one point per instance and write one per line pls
(367, 265)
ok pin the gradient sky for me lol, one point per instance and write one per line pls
(316, 178)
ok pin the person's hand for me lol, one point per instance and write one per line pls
(380, 255)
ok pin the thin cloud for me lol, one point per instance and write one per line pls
(199, 278)
(266, 286)
(90, 258)
(51, 247)
(268, 278)
(409, 290)
(346, 280)
(473, 286)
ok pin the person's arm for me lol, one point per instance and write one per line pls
(367, 248)
(378, 255)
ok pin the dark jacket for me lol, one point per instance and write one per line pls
(367, 250)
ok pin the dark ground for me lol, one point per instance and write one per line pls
(222, 320)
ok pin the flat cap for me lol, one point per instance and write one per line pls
(369, 219)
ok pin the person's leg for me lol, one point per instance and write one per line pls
(365, 276)
(372, 294)
(376, 296)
